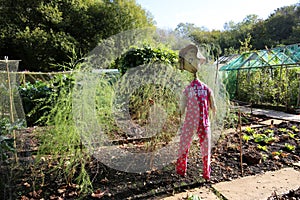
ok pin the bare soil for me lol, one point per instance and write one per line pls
(257, 156)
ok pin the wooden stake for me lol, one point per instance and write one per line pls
(241, 142)
(298, 100)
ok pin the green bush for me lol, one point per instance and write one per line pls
(145, 55)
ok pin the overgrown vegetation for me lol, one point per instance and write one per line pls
(268, 86)
(62, 140)
(53, 106)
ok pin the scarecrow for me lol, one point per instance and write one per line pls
(196, 102)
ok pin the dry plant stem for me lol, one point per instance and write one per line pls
(241, 142)
(12, 119)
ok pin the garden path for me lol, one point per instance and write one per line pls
(270, 113)
(258, 187)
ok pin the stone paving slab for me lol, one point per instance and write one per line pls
(260, 187)
(271, 113)
(297, 164)
(203, 192)
(272, 121)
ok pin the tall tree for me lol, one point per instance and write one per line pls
(185, 29)
(281, 28)
(209, 43)
(280, 24)
(294, 36)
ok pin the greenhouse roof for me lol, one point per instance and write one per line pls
(288, 56)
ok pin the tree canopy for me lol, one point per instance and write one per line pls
(44, 33)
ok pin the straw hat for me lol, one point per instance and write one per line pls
(190, 58)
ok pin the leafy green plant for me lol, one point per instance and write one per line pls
(292, 135)
(4, 126)
(259, 137)
(267, 137)
(250, 130)
(294, 128)
(264, 156)
(39, 98)
(269, 132)
(260, 147)
(287, 132)
(231, 119)
(6, 146)
(247, 137)
(7, 143)
(194, 197)
(34, 97)
(289, 147)
(283, 130)
(277, 153)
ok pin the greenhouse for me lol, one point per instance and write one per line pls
(266, 77)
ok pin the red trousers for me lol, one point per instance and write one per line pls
(184, 146)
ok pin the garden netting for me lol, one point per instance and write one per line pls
(288, 56)
(265, 77)
(10, 101)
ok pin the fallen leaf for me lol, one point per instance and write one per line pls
(24, 198)
(98, 194)
(61, 190)
(104, 180)
(26, 185)
(276, 157)
(73, 193)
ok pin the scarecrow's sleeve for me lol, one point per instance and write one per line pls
(183, 102)
(212, 101)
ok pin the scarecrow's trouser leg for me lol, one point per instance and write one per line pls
(184, 146)
(204, 137)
